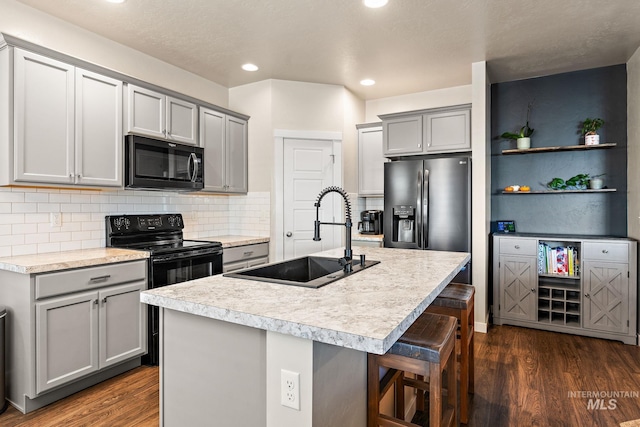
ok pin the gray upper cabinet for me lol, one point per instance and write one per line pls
(224, 139)
(68, 123)
(447, 131)
(157, 115)
(371, 160)
(435, 131)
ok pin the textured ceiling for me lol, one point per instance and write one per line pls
(408, 46)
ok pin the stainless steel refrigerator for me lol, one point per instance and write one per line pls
(427, 205)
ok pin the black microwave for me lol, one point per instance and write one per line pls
(162, 165)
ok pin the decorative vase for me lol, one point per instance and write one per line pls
(523, 143)
(596, 183)
(592, 139)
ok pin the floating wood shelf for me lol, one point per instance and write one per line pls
(560, 148)
(604, 190)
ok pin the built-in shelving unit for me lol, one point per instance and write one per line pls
(560, 148)
(602, 190)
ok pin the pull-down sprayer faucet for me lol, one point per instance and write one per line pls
(346, 261)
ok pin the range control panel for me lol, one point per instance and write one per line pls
(124, 224)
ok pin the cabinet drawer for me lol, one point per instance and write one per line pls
(518, 247)
(240, 253)
(51, 284)
(606, 251)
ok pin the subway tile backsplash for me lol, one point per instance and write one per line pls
(25, 216)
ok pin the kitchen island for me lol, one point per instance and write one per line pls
(225, 341)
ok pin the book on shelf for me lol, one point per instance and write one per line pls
(559, 260)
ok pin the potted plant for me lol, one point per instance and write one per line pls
(523, 138)
(590, 130)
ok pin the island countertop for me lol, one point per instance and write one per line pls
(367, 311)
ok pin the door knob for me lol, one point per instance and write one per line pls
(289, 234)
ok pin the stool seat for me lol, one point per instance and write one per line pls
(455, 295)
(425, 339)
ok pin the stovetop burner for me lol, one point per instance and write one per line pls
(157, 234)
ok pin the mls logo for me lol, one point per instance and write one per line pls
(601, 404)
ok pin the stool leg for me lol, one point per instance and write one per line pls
(399, 397)
(471, 351)
(373, 384)
(452, 389)
(464, 366)
(435, 394)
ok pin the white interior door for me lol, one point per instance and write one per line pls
(308, 169)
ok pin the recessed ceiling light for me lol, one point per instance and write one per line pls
(367, 82)
(115, 1)
(250, 67)
(375, 3)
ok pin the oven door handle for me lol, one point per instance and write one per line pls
(185, 255)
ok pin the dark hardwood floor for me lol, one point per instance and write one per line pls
(130, 399)
(524, 377)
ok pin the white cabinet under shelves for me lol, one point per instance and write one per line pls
(581, 285)
(371, 160)
(68, 124)
(157, 115)
(224, 139)
(442, 130)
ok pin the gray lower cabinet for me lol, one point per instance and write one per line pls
(71, 329)
(580, 285)
(240, 257)
(441, 130)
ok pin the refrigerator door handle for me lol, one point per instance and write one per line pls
(425, 209)
(416, 226)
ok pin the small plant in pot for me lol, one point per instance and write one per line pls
(523, 137)
(590, 130)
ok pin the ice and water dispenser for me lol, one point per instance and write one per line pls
(404, 220)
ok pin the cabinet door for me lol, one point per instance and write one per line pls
(517, 287)
(98, 130)
(146, 112)
(371, 162)
(606, 296)
(122, 323)
(402, 135)
(44, 116)
(212, 137)
(66, 339)
(447, 131)
(182, 121)
(236, 154)
(234, 266)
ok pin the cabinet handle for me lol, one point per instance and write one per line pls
(79, 175)
(587, 295)
(99, 278)
(248, 253)
(517, 246)
(104, 300)
(289, 234)
(604, 251)
(533, 290)
(95, 302)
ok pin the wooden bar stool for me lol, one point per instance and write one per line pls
(457, 300)
(426, 349)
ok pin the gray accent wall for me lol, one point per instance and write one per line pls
(560, 103)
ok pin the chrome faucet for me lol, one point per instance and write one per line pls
(346, 261)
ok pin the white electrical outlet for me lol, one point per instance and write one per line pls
(55, 218)
(290, 389)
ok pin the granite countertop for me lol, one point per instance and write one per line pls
(47, 262)
(356, 235)
(367, 311)
(232, 241)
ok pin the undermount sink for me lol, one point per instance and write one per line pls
(308, 271)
